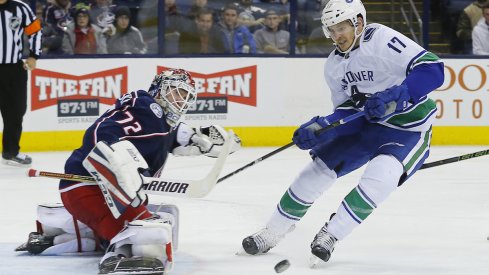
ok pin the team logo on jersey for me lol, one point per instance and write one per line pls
(369, 32)
(157, 110)
(14, 23)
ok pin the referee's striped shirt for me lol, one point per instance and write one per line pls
(17, 18)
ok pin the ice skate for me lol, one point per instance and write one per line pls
(36, 243)
(134, 265)
(20, 159)
(262, 241)
(322, 246)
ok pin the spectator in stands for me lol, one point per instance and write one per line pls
(480, 34)
(147, 21)
(238, 39)
(51, 40)
(102, 15)
(56, 16)
(195, 8)
(83, 37)
(317, 43)
(466, 23)
(450, 11)
(57, 13)
(271, 39)
(308, 19)
(127, 38)
(175, 23)
(203, 37)
(251, 16)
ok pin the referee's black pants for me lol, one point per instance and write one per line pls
(13, 105)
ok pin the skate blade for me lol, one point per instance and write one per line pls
(22, 247)
(241, 252)
(315, 262)
(14, 163)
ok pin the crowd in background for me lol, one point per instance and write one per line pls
(467, 24)
(219, 26)
(179, 27)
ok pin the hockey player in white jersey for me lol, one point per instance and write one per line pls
(382, 72)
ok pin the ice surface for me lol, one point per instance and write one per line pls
(437, 223)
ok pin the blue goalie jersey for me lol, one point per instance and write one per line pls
(135, 117)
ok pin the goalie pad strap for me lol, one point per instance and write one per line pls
(78, 237)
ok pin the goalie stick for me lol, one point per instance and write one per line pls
(162, 186)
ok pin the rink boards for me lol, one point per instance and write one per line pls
(261, 99)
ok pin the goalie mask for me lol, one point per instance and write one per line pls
(337, 11)
(174, 90)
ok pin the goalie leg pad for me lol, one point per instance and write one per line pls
(171, 215)
(58, 233)
(150, 238)
(54, 220)
(116, 169)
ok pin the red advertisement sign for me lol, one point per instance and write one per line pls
(237, 85)
(47, 87)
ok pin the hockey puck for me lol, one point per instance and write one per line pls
(282, 266)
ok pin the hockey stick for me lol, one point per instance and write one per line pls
(455, 159)
(318, 132)
(161, 186)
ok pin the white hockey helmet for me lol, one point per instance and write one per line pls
(166, 85)
(337, 11)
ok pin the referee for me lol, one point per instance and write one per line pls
(16, 18)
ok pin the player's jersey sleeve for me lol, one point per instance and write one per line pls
(399, 55)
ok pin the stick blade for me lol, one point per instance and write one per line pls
(200, 188)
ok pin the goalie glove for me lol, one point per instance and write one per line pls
(117, 169)
(206, 141)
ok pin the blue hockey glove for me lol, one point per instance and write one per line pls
(305, 137)
(382, 104)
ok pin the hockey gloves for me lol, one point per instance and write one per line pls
(382, 104)
(305, 136)
(206, 141)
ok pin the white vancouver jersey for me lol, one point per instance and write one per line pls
(384, 59)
